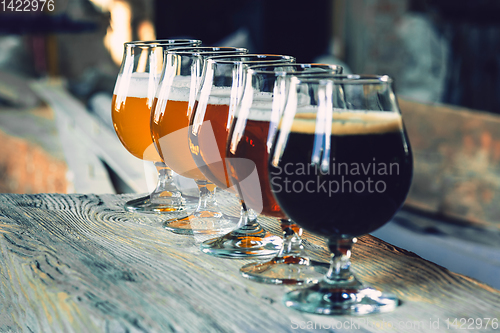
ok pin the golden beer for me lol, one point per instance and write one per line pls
(169, 128)
(131, 113)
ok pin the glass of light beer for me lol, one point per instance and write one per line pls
(133, 97)
(348, 170)
(249, 142)
(172, 109)
(221, 89)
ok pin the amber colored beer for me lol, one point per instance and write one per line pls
(131, 114)
(209, 147)
(252, 148)
(169, 128)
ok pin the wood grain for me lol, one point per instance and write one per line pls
(80, 263)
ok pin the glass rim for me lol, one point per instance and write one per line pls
(162, 42)
(346, 78)
(256, 68)
(191, 50)
(224, 59)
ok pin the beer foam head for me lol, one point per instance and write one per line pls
(180, 89)
(351, 122)
(259, 108)
(264, 106)
(139, 85)
(220, 96)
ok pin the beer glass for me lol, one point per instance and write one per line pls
(172, 109)
(340, 166)
(133, 96)
(220, 91)
(249, 142)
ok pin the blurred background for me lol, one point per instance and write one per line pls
(437, 50)
(58, 69)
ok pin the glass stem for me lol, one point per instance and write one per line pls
(207, 200)
(165, 186)
(340, 263)
(248, 225)
(248, 217)
(292, 243)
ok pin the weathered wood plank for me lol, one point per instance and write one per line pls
(457, 162)
(15, 90)
(96, 137)
(86, 171)
(40, 153)
(79, 263)
(31, 158)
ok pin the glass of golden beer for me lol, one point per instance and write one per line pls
(133, 97)
(340, 166)
(221, 89)
(249, 142)
(172, 109)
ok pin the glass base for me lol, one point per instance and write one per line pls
(204, 222)
(293, 270)
(250, 241)
(330, 299)
(161, 205)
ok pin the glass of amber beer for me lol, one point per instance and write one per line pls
(133, 96)
(348, 169)
(220, 92)
(250, 138)
(172, 109)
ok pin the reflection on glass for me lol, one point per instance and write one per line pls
(172, 110)
(133, 96)
(220, 92)
(348, 170)
(248, 148)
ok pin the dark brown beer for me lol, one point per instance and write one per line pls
(356, 186)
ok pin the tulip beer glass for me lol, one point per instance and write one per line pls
(221, 89)
(133, 97)
(172, 109)
(340, 166)
(250, 139)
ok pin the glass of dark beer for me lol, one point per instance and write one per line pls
(221, 90)
(133, 97)
(249, 143)
(341, 166)
(171, 111)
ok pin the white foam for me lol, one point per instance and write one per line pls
(179, 94)
(264, 107)
(182, 81)
(140, 85)
(257, 114)
(220, 96)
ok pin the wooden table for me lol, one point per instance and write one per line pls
(80, 263)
